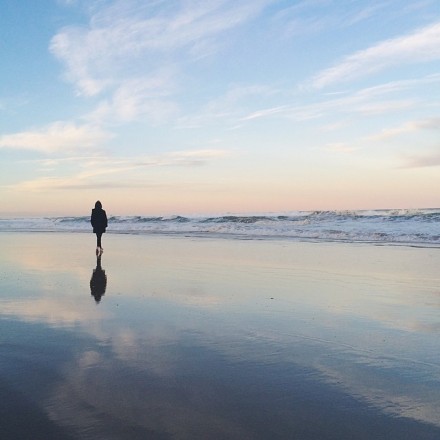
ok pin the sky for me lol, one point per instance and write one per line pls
(161, 107)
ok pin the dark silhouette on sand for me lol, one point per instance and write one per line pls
(98, 282)
(98, 220)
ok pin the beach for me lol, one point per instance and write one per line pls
(181, 337)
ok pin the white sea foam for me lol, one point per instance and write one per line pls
(421, 227)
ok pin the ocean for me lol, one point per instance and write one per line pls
(408, 227)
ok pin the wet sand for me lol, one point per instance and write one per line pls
(190, 338)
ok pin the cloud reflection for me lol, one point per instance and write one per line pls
(190, 332)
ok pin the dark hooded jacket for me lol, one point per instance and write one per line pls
(98, 219)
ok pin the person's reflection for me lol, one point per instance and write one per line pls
(98, 282)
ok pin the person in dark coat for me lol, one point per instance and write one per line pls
(98, 220)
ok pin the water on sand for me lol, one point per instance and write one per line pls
(199, 338)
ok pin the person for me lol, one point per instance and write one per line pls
(98, 220)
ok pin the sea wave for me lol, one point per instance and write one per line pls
(418, 226)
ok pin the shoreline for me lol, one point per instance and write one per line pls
(420, 227)
(235, 237)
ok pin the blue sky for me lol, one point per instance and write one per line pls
(169, 107)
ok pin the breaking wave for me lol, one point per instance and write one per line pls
(420, 226)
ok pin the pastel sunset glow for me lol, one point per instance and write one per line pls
(186, 107)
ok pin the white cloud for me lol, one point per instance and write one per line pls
(131, 35)
(58, 136)
(137, 98)
(420, 46)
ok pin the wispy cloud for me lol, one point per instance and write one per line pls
(420, 46)
(385, 106)
(316, 16)
(430, 158)
(422, 161)
(132, 35)
(229, 106)
(367, 101)
(263, 113)
(195, 157)
(56, 137)
(138, 98)
(359, 102)
(97, 172)
(408, 127)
